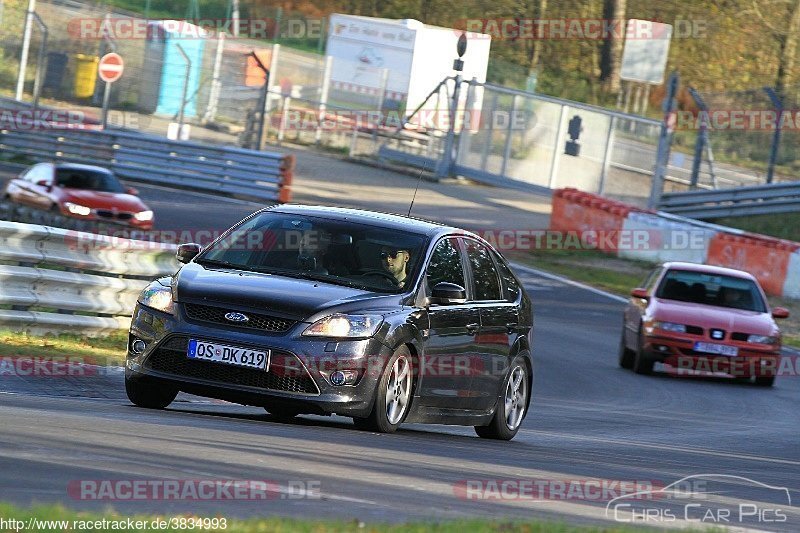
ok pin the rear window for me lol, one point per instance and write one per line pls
(711, 289)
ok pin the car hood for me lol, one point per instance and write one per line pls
(104, 200)
(293, 298)
(707, 316)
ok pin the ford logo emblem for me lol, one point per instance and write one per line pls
(236, 317)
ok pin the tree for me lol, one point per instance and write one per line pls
(611, 49)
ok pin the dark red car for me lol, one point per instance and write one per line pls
(702, 319)
(80, 191)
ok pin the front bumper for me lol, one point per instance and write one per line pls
(679, 353)
(297, 376)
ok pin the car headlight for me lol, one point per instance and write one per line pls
(762, 339)
(339, 325)
(669, 326)
(77, 209)
(143, 216)
(157, 296)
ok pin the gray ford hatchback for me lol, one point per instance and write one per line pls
(320, 310)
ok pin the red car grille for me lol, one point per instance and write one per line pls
(104, 213)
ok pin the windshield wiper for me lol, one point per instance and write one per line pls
(217, 262)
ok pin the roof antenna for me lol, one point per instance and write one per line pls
(419, 178)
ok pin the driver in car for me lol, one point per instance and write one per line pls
(395, 262)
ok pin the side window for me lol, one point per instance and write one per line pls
(445, 265)
(510, 285)
(484, 274)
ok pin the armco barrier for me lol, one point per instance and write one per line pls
(575, 210)
(261, 176)
(766, 258)
(57, 273)
(774, 262)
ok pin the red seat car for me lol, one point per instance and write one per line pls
(699, 318)
(80, 191)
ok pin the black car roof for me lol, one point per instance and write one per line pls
(387, 220)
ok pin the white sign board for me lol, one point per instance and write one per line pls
(363, 48)
(646, 51)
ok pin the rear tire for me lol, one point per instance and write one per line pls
(512, 405)
(393, 395)
(143, 392)
(642, 361)
(626, 355)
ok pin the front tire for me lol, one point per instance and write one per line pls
(642, 361)
(393, 395)
(511, 409)
(626, 355)
(150, 394)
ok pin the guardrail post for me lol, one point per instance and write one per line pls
(562, 117)
(185, 88)
(287, 175)
(37, 81)
(323, 97)
(509, 135)
(777, 101)
(664, 141)
(216, 86)
(612, 123)
(287, 101)
(446, 162)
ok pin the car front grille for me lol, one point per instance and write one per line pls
(104, 213)
(286, 372)
(209, 313)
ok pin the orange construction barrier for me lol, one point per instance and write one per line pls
(765, 258)
(583, 212)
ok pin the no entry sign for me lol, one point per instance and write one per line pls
(110, 67)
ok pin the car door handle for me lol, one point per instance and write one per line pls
(472, 329)
(511, 327)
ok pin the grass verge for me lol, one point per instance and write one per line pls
(108, 350)
(619, 276)
(45, 516)
(782, 225)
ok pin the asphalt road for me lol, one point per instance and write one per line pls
(589, 420)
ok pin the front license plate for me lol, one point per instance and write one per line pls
(231, 355)
(719, 349)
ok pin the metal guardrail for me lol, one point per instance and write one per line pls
(50, 274)
(261, 176)
(740, 201)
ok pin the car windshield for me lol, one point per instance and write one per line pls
(90, 180)
(342, 252)
(711, 289)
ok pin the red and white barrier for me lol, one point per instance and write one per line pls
(661, 238)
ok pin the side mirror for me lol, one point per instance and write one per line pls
(187, 252)
(640, 293)
(133, 191)
(447, 294)
(780, 312)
